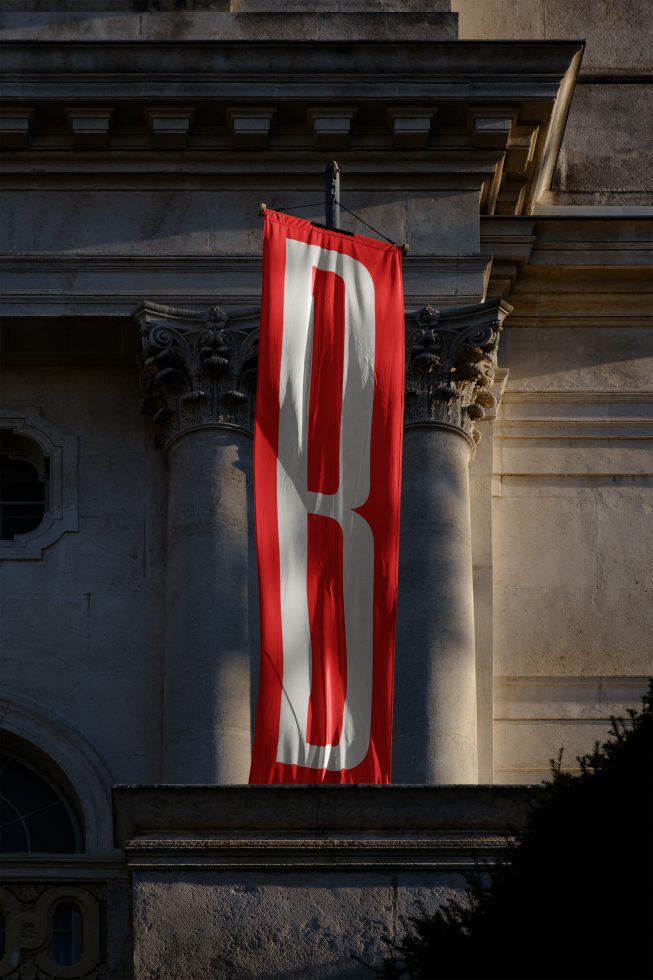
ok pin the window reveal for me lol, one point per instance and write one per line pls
(24, 484)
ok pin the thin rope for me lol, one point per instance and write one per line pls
(371, 227)
(302, 207)
(316, 204)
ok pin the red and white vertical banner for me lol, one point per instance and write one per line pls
(327, 481)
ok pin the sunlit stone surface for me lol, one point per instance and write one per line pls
(139, 139)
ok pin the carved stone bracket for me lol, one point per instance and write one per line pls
(451, 356)
(199, 369)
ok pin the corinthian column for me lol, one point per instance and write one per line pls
(450, 360)
(199, 380)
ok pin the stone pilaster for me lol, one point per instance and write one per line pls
(199, 376)
(450, 361)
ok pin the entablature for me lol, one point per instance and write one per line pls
(489, 114)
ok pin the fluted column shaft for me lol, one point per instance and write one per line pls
(449, 373)
(199, 381)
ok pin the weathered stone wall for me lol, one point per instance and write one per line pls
(573, 496)
(119, 189)
(82, 626)
(554, 594)
(611, 119)
(306, 881)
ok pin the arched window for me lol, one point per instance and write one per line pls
(52, 917)
(36, 815)
(24, 484)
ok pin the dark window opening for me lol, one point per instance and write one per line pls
(35, 816)
(24, 484)
(67, 934)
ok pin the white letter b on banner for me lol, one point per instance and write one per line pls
(326, 550)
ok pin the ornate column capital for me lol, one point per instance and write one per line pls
(451, 356)
(199, 369)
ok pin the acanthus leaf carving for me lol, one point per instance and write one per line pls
(198, 368)
(451, 356)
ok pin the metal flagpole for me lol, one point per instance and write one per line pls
(332, 207)
(331, 194)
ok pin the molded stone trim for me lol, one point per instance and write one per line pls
(29, 908)
(309, 828)
(62, 451)
(89, 777)
(507, 128)
(306, 813)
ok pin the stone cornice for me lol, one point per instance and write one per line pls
(489, 112)
(449, 852)
(601, 252)
(610, 254)
(57, 285)
(306, 812)
(497, 63)
(318, 827)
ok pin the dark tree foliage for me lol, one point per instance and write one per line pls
(573, 897)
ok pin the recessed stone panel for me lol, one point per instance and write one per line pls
(599, 358)
(542, 543)
(523, 748)
(572, 631)
(625, 514)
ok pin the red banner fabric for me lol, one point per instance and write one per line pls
(327, 482)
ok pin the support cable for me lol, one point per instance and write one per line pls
(315, 204)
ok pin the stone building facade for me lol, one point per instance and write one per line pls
(506, 142)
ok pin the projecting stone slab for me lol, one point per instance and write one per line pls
(306, 812)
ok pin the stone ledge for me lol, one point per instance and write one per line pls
(462, 853)
(302, 814)
(541, 65)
